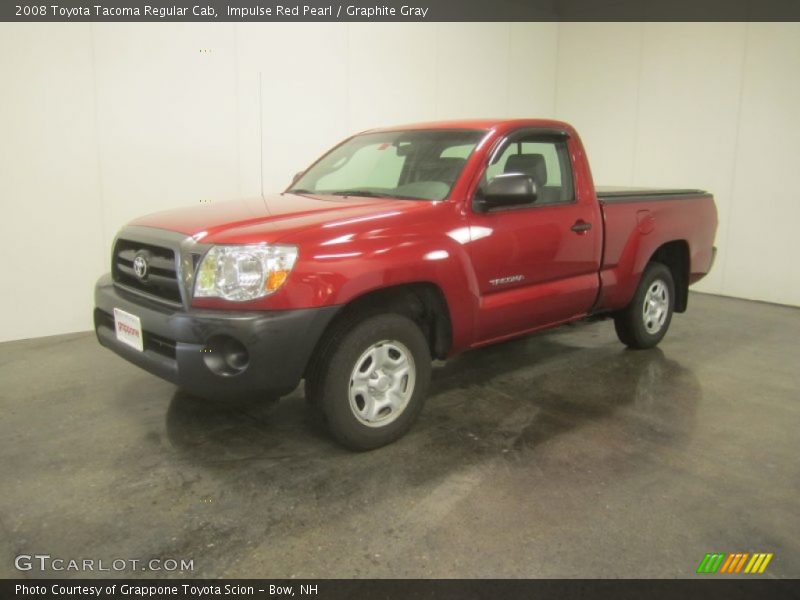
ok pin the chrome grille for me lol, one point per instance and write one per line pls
(161, 279)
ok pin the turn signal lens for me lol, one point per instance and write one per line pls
(276, 279)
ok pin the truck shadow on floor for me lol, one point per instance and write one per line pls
(565, 388)
(509, 398)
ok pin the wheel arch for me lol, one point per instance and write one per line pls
(675, 256)
(423, 302)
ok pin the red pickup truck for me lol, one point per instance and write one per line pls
(398, 246)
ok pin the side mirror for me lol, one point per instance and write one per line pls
(507, 189)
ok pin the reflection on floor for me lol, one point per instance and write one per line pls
(558, 455)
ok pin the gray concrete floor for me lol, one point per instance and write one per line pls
(559, 455)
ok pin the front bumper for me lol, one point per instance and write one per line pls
(180, 345)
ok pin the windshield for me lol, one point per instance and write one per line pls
(414, 165)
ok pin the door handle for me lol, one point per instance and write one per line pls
(581, 226)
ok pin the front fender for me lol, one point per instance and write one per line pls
(338, 277)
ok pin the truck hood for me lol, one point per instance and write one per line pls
(271, 217)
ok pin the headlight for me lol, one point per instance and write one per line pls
(243, 272)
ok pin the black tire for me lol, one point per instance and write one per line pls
(328, 382)
(634, 327)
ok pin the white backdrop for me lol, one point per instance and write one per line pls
(104, 122)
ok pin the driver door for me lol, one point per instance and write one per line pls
(536, 264)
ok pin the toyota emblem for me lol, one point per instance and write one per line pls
(140, 267)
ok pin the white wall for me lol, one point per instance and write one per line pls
(50, 195)
(762, 243)
(710, 105)
(105, 122)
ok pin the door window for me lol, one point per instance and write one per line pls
(546, 161)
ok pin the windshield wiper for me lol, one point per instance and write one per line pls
(399, 197)
(365, 193)
(301, 191)
(369, 194)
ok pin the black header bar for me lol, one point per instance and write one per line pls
(397, 10)
(390, 589)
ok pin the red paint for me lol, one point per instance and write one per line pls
(352, 246)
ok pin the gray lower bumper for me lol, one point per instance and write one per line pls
(178, 344)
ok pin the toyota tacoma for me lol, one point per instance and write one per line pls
(397, 247)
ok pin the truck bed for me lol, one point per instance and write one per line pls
(637, 221)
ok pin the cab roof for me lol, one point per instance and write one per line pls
(478, 124)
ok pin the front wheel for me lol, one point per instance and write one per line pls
(371, 380)
(646, 319)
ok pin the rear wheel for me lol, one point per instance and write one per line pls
(646, 320)
(371, 380)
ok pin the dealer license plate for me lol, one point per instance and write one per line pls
(129, 329)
